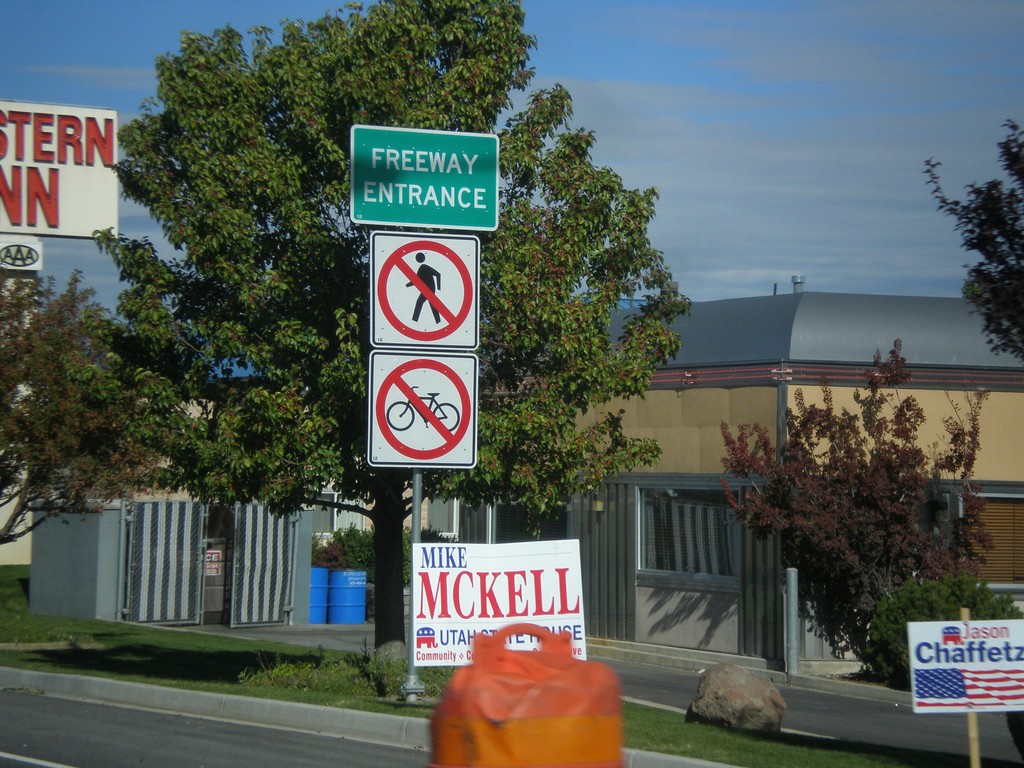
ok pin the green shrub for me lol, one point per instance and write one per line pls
(352, 549)
(309, 673)
(328, 553)
(367, 674)
(887, 655)
(347, 549)
(386, 673)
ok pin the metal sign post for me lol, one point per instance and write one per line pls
(412, 687)
(973, 742)
(424, 300)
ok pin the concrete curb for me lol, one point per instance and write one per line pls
(409, 732)
(852, 690)
(393, 730)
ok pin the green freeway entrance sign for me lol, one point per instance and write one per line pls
(434, 179)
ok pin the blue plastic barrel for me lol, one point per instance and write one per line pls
(346, 597)
(318, 595)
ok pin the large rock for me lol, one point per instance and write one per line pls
(731, 696)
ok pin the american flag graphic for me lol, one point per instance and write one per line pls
(936, 688)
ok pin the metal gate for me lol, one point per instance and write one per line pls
(164, 577)
(263, 556)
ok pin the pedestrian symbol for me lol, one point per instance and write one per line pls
(414, 273)
(428, 286)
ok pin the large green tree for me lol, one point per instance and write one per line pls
(991, 222)
(63, 443)
(250, 342)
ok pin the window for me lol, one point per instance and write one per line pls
(510, 520)
(1004, 521)
(327, 518)
(443, 516)
(502, 523)
(687, 532)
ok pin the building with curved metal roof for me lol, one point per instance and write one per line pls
(672, 565)
(839, 328)
(807, 336)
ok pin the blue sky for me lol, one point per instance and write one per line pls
(784, 137)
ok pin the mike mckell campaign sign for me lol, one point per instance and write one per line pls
(967, 666)
(466, 589)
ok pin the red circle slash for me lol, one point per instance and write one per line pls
(449, 439)
(397, 261)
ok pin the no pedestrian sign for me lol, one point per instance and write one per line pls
(423, 290)
(422, 410)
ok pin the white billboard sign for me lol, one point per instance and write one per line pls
(462, 590)
(57, 169)
(967, 666)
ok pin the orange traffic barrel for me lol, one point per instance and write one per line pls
(528, 708)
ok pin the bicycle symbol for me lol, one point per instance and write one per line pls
(402, 414)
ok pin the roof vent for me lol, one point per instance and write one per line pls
(798, 283)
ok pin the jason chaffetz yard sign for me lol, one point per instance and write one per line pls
(967, 666)
(437, 179)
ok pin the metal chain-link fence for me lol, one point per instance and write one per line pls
(262, 566)
(165, 562)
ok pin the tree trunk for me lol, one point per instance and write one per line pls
(388, 519)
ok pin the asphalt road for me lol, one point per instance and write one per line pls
(54, 732)
(820, 708)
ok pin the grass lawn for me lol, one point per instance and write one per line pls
(199, 661)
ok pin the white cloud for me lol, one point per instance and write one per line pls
(101, 78)
(792, 138)
(845, 204)
(784, 138)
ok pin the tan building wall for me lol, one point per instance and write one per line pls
(1002, 426)
(705, 613)
(687, 424)
(18, 552)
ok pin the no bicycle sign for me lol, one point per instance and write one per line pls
(422, 410)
